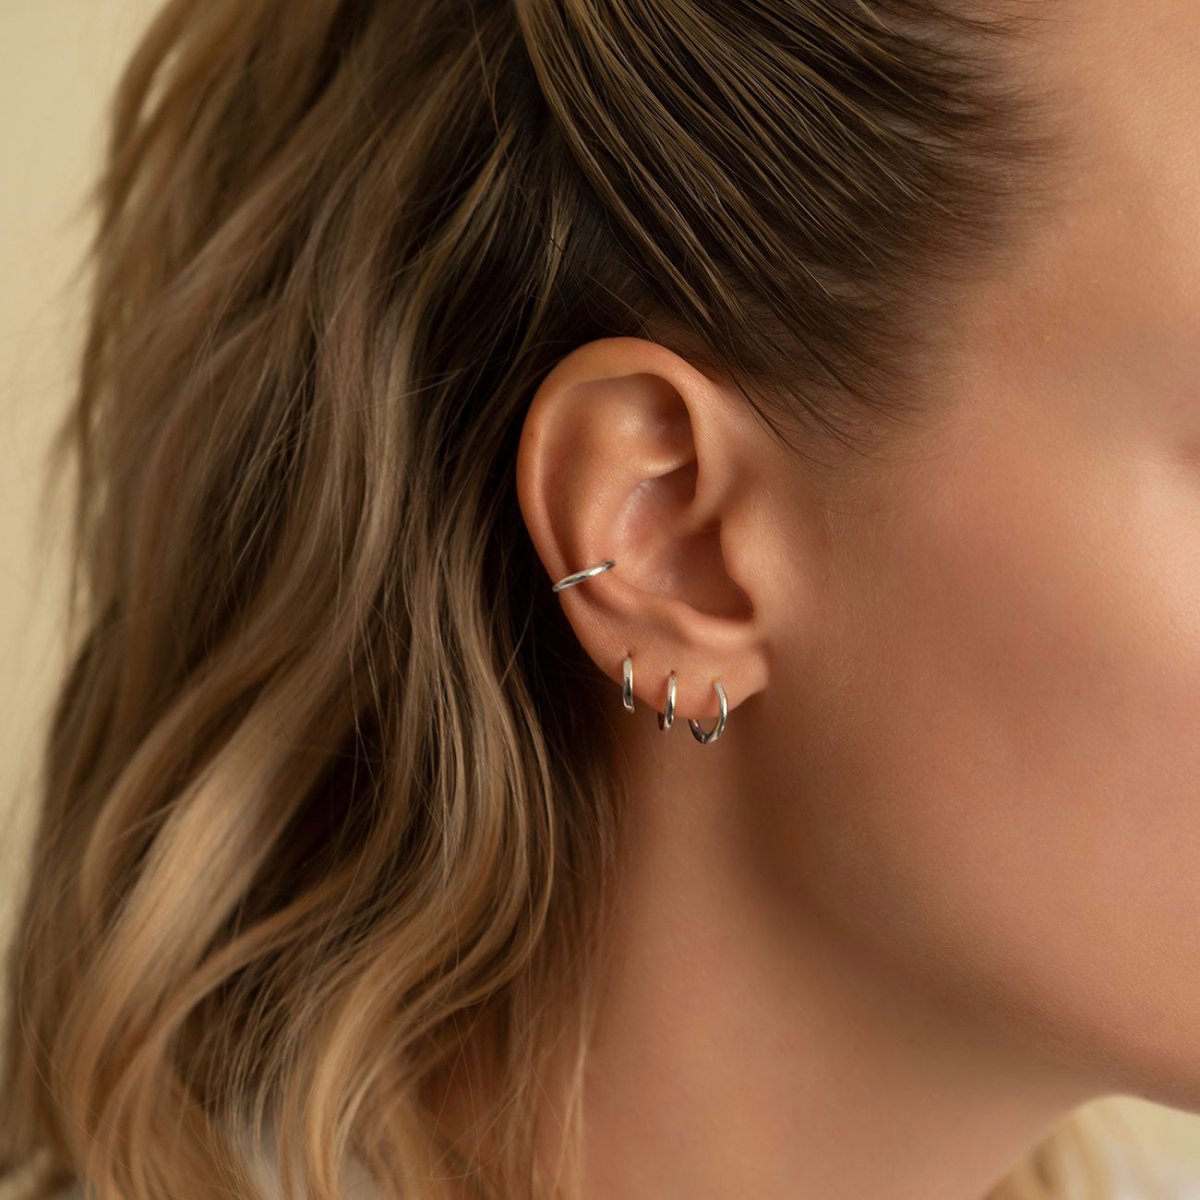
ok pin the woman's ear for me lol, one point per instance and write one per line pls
(630, 453)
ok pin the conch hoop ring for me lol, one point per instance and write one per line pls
(579, 576)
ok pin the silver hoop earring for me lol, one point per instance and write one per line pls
(698, 732)
(668, 713)
(579, 576)
(627, 684)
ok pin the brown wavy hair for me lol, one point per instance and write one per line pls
(327, 816)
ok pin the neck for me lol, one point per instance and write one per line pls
(744, 1048)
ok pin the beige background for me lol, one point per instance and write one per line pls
(58, 61)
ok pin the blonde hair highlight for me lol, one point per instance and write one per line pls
(328, 812)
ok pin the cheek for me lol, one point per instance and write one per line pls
(1010, 790)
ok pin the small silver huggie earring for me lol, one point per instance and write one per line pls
(668, 713)
(706, 739)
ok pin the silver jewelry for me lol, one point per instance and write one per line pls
(668, 714)
(579, 576)
(719, 728)
(703, 736)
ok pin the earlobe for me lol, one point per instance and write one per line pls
(632, 477)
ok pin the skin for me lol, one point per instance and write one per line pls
(936, 884)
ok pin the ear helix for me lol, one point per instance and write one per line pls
(667, 716)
